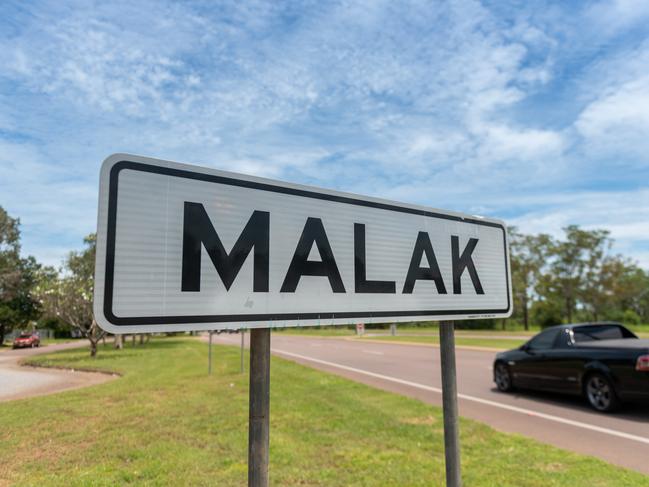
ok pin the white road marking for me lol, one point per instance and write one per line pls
(529, 412)
(373, 352)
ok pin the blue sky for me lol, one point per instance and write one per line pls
(534, 112)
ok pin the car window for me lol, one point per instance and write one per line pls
(563, 339)
(600, 332)
(544, 340)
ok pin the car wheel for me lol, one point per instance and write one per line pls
(503, 378)
(600, 393)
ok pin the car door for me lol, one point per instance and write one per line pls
(531, 369)
(562, 365)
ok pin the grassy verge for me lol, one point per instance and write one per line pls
(332, 331)
(641, 330)
(487, 342)
(488, 339)
(165, 422)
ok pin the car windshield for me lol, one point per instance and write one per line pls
(600, 332)
(543, 340)
(25, 335)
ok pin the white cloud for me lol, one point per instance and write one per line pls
(624, 213)
(618, 122)
(614, 122)
(505, 143)
(609, 17)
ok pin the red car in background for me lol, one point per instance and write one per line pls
(25, 340)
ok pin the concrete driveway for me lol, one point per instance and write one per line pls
(18, 382)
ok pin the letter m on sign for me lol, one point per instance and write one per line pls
(199, 232)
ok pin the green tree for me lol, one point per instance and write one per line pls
(576, 263)
(17, 278)
(575, 278)
(9, 256)
(639, 302)
(602, 295)
(546, 312)
(69, 295)
(529, 255)
(626, 287)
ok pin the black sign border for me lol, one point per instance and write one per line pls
(182, 173)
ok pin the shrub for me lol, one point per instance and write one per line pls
(546, 313)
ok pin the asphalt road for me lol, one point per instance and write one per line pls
(621, 438)
(17, 382)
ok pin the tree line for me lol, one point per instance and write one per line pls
(554, 280)
(575, 278)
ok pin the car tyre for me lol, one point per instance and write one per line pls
(600, 393)
(503, 377)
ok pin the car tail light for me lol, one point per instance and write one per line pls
(642, 364)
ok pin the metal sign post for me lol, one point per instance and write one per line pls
(449, 402)
(258, 432)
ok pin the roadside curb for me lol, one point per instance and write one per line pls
(70, 369)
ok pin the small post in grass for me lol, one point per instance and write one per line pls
(449, 402)
(209, 354)
(258, 429)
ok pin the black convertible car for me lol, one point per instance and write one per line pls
(605, 362)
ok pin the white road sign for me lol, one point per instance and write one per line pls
(182, 247)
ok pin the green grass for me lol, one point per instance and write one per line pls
(337, 331)
(460, 341)
(488, 339)
(165, 422)
(640, 330)
(485, 333)
(497, 333)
